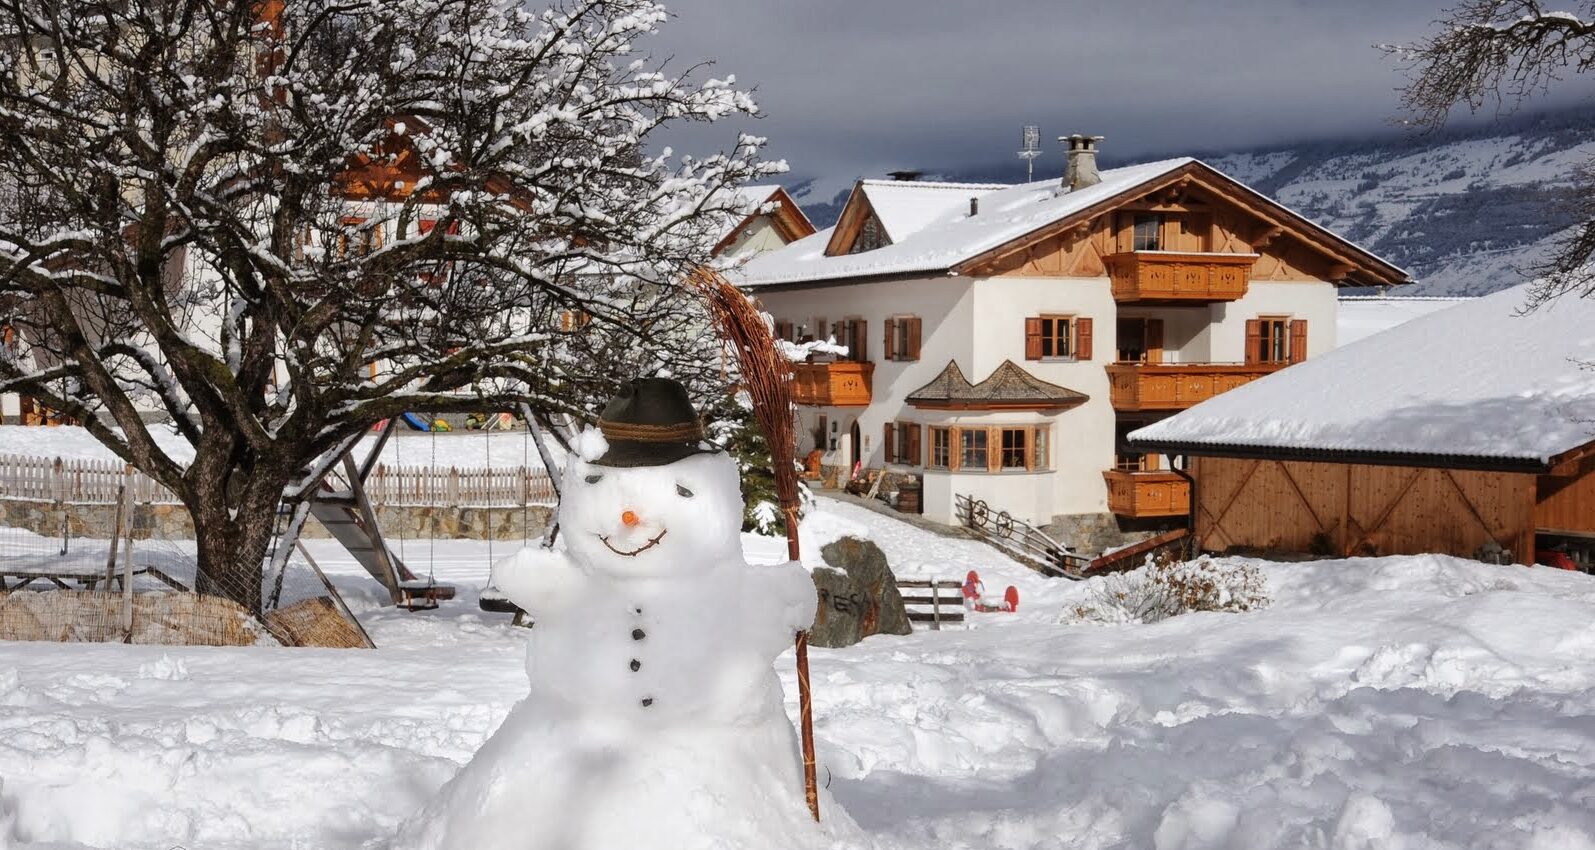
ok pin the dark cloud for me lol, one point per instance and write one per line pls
(859, 86)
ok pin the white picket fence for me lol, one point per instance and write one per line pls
(96, 482)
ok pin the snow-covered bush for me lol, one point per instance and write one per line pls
(1168, 588)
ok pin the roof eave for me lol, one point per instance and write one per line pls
(1481, 463)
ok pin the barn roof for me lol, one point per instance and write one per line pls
(1483, 384)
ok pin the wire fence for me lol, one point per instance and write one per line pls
(70, 570)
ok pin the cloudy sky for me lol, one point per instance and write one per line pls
(857, 87)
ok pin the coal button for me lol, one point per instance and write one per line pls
(635, 665)
(638, 634)
(647, 701)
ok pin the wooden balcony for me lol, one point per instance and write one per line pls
(1175, 386)
(1169, 276)
(844, 383)
(1142, 495)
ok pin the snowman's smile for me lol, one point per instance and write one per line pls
(652, 542)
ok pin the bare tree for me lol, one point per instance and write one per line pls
(1499, 52)
(277, 224)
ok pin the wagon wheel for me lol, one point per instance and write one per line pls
(980, 513)
(1004, 524)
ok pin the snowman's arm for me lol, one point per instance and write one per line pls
(787, 594)
(541, 581)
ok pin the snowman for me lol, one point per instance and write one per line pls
(655, 717)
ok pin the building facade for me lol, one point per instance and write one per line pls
(1002, 341)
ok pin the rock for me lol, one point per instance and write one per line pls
(858, 595)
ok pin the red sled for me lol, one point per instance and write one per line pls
(1010, 602)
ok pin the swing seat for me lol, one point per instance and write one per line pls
(423, 595)
(494, 601)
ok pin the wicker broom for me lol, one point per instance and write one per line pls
(767, 378)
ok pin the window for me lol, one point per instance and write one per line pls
(1276, 339)
(870, 236)
(972, 449)
(1015, 448)
(354, 235)
(851, 333)
(1125, 457)
(941, 447)
(571, 321)
(1140, 341)
(783, 330)
(902, 338)
(1147, 233)
(995, 448)
(1057, 338)
(901, 442)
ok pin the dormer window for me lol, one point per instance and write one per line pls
(870, 236)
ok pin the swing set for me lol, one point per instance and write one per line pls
(344, 508)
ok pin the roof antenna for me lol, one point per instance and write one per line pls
(1029, 149)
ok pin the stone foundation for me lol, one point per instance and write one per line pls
(1092, 534)
(171, 522)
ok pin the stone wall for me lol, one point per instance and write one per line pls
(172, 521)
(1094, 533)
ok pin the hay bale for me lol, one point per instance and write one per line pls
(314, 622)
(168, 619)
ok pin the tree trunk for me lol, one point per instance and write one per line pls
(233, 545)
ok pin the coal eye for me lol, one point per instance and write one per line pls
(682, 491)
(594, 478)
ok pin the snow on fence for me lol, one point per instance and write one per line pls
(95, 482)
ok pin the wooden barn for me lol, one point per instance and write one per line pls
(1468, 432)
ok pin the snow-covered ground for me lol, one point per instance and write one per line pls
(1415, 702)
(459, 449)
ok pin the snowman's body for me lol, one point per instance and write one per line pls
(655, 717)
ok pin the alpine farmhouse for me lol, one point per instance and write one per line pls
(1003, 341)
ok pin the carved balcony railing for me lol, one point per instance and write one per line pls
(1176, 276)
(844, 383)
(1144, 495)
(1136, 387)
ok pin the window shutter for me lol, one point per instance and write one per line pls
(783, 330)
(887, 441)
(822, 331)
(955, 448)
(1154, 340)
(888, 351)
(1298, 340)
(1082, 339)
(860, 336)
(913, 455)
(1033, 338)
(913, 338)
(1254, 340)
(993, 449)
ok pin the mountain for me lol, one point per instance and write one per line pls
(1467, 211)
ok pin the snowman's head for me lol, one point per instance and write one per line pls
(652, 521)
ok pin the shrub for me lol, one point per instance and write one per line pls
(1168, 588)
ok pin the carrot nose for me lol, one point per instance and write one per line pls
(630, 518)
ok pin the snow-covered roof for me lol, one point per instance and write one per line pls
(1362, 316)
(906, 207)
(931, 229)
(1482, 380)
(935, 242)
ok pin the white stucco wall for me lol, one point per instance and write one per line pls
(980, 323)
(759, 236)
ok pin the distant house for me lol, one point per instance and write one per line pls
(1002, 341)
(1362, 316)
(1467, 431)
(774, 221)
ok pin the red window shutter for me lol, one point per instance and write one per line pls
(1254, 340)
(913, 455)
(861, 338)
(1154, 340)
(913, 338)
(1082, 339)
(887, 443)
(888, 351)
(1298, 340)
(1033, 338)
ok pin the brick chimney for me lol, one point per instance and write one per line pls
(1082, 171)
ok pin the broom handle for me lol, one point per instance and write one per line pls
(811, 785)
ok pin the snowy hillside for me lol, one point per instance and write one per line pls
(1465, 210)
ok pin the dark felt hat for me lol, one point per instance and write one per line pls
(650, 422)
